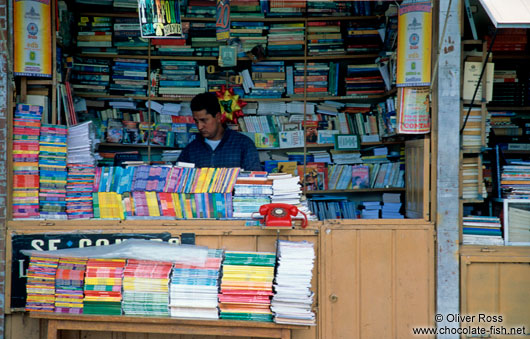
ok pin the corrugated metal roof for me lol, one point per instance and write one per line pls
(508, 13)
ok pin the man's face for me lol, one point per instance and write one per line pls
(209, 126)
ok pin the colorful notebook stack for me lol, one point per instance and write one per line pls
(193, 289)
(145, 288)
(103, 284)
(293, 297)
(108, 205)
(26, 131)
(69, 282)
(79, 188)
(52, 170)
(40, 286)
(246, 286)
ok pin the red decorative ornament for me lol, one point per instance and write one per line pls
(231, 105)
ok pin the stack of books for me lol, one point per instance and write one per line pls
(482, 230)
(471, 187)
(472, 133)
(391, 206)
(269, 81)
(145, 288)
(249, 33)
(174, 46)
(193, 289)
(252, 189)
(293, 298)
(52, 171)
(314, 79)
(371, 210)
(79, 188)
(69, 283)
(286, 39)
(128, 37)
(246, 286)
(26, 131)
(95, 34)
(40, 286)
(90, 76)
(324, 38)
(283, 8)
(103, 283)
(515, 180)
(331, 8)
(363, 37)
(179, 79)
(129, 77)
(364, 79)
(201, 8)
(203, 38)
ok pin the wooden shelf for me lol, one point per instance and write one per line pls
(244, 18)
(311, 146)
(110, 144)
(360, 190)
(205, 58)
(472, 201)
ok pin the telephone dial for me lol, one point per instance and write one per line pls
(279, 215)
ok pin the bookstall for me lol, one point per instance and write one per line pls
(318, 98)
(495, 163)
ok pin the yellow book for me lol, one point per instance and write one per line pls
(152, 204)
(207, 180)
(177, 206)
(187, 205)
(103, 281)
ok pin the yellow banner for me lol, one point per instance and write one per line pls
(32, 37)
(414, 44)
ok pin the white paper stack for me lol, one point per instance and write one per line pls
(293, 298)
(265, 107)
(286, 188)
(297, 107)
(81, 139)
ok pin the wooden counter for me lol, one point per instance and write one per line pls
(57, 322)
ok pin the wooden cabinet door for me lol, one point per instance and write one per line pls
(376, 281)
(496, 281)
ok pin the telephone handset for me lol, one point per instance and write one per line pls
(280, 215)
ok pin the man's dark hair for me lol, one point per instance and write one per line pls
(207, 101)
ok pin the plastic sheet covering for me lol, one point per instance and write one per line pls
(134, 249)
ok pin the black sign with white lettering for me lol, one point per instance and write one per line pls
(50, 242)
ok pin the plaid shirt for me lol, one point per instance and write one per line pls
(235, 150)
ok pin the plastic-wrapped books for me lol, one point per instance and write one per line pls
(193, 288)
(293, 298)
(145, 288)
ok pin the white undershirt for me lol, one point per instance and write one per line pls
(213, 143)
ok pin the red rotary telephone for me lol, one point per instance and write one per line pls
(279, 215)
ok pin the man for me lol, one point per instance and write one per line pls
(216, 145)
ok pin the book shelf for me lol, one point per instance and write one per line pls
(150, 57)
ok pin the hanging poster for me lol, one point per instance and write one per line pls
(32, 38)
(413, 107)
(160, 18)
(414, 44)
(222, 23)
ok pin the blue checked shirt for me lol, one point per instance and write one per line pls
(235, 150)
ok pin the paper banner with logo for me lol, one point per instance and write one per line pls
(414, 44)
(413, 110)
(160, 18)
(32, 38)
(222, 23)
